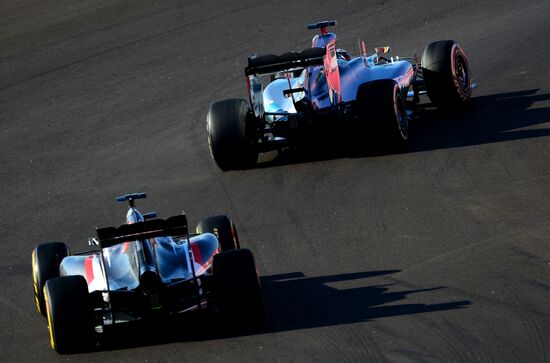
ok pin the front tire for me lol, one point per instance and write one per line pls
(223, 228)
(446, 74)
(238, 286)
(69, 314)
(381, 105)
(46, 258)
(231, 134)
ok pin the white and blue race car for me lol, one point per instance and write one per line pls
(146, 269)
(323, 86)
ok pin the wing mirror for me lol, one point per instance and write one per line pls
(150, 215)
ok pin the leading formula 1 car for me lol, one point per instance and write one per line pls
(146, 269)
(324, 85)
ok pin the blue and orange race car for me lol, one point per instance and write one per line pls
(324, 85)
(148, 268)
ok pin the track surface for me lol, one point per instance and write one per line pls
(440, 253)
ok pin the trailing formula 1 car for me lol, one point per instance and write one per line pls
(146, 269)
(324, 85)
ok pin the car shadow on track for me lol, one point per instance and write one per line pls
(486, 119)
(292, 301)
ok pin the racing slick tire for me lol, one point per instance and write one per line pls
(238, 286)
(46, 258)
(69, 314)
(446, 74)
(231, 133)
(223, 228)
(382, 106)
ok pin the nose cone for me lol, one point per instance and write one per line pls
(134, 216)
(321, 40)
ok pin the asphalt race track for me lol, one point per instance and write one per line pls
(440, 253)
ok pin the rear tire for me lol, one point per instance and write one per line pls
(238, 286)
(69, 314)
(46, 258)
(446, 74)
(223, 228)
(231, 134)
(382, 106)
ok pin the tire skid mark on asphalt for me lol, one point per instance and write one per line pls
(354, 352)
(461, 341)
(414, 352)
(519, 251)
(472, 346)
(380, 215)
(503, 163)
(494, 239)
(128, 45)
(537, 285)
(278, 179)
(18, 309)
(442, 170)
(477, 298)
(468, 294)
(447, 340)
(343, 354)
(297, 223)
(530, 322)
(369, 349)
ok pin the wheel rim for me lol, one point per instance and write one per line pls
(461, 72)
(402, 122)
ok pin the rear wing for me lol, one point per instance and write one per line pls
(270, 63)
(173, 226)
